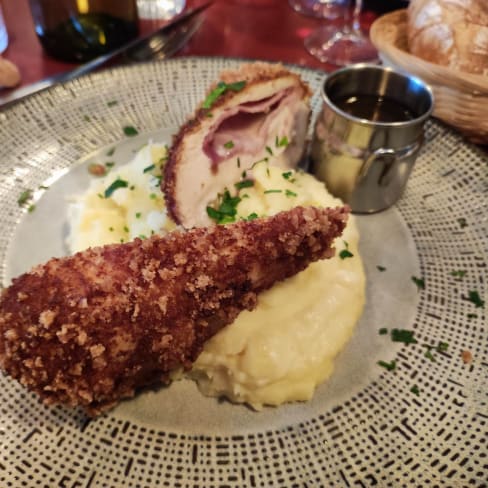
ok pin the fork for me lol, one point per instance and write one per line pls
(160, 44)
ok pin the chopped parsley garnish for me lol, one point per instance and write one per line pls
(229, 145)
(110, 152)
(96, 169)
(157, 179)
(109, 164)
(238, 162)
(118, 183)
(462, 222)
(220, 89)
(153, 196)
(380, 268)
(126, 229)
(86, 118)
(383, 331)
(265, 160)
(288, 176)
(244, 184)
(283, 142)
(148, 168)
(290, 193)
(43, 187)
(474, 297)
(271, 191)
(142, 236)
(24, 197)
(403, 335)
(345, 253)
(252, 216)
(269, 150)
(442, 346)
(138, 215)
(428, 354)
(112, 103)
(459, 273)
(415, 390)
(130, 131)
(31, 208)
(111, 229)
(226, 210)
(420, 282)
(391, 366)
(216, 215)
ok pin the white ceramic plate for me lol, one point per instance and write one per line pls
(365, 426)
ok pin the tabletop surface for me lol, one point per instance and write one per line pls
(255, 29)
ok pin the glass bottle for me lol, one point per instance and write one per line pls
(3, 32)
(80, 30)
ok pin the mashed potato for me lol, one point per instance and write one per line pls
(284, 348)
(108, 212)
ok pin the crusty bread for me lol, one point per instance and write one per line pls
(451, 33)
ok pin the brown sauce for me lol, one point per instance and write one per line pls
(375, 108)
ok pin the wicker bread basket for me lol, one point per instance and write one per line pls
(461, 99)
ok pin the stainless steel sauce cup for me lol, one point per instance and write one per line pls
(363, 161)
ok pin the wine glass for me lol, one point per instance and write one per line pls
(325, 9)
(348, 45)
(159, 9)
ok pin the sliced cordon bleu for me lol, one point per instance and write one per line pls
(259, 111)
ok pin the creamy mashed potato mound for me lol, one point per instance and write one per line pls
(135, 210)
(284, 348)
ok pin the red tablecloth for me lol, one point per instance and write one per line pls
(256, 29)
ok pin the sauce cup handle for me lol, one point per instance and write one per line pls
(389, 158)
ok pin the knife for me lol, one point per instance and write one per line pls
(169, 39)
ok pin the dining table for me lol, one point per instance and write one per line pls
(401, 403)
(254, 29)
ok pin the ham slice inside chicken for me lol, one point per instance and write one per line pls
(244, 129)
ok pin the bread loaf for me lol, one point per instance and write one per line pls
(451, 33)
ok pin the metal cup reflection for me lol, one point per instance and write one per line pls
(366, 159)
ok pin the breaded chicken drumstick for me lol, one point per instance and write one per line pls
(89, 329)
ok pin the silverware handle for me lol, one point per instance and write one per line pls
(100, 61)
(41, 85)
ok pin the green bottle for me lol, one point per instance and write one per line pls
(80, 30)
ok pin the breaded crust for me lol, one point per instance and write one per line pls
(254, 74)
(89, 329)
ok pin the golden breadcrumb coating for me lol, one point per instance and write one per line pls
(89, 329)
